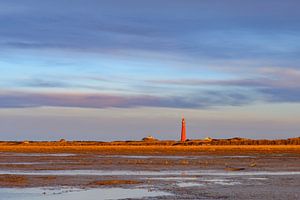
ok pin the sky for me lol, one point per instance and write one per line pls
(125, 69)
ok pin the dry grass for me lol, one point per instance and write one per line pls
(128, 149)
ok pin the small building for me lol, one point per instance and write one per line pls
(62, 141)
(208, 139)
(25, 142)
(149, 138)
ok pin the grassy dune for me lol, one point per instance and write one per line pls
(149, 150)
(216, 146)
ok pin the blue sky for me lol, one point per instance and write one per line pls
(146, 57)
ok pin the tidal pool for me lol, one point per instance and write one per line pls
(223, 182)
(75, 194)
(189, 184)
(183, 173)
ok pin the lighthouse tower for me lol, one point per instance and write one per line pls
(183, 131)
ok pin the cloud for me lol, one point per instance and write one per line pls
(271, 84)
(198, 82)
(225, 32)
(43, 83)
(290, 95)
(203, 100)
(266, 77)
(263, 77)
(137, 40)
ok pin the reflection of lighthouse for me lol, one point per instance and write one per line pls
(183, 132)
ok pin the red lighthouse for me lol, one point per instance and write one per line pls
(183, 131)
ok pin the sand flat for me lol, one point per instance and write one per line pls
(181, 172)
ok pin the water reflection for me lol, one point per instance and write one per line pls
(75, 194)
(189, 184)
(151, 173)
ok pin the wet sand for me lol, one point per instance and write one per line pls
(181, 172)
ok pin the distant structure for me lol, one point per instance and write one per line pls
(149, 138)
(62, 141)
(209, 139)
(183, 130)
(25, 142)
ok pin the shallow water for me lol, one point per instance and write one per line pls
(177, 178)
(151, 173)
(189, 184)
(223, 182)
(259, 178)
(75, 194)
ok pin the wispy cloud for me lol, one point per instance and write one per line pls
(203, 100)
(273, 77)
(138, 41)
(145, 27)
(43, 83)
(271, 84)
